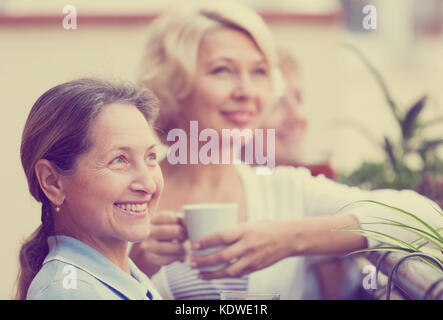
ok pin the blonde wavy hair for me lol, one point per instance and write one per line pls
(171, 51)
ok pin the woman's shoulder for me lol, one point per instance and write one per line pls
(274, 175)
(58, 280)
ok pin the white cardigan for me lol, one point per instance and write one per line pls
(290, 193)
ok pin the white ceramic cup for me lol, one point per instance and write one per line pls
(204, 219)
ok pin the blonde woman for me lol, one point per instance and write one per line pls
(216, 64)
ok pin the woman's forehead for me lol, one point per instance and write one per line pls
(229, 43)
(120, 124)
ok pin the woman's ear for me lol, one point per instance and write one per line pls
(49, 180)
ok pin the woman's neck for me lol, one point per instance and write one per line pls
(113, 249)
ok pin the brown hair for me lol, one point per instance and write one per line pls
(57, 129)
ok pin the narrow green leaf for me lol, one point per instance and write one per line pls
(378, 78)
(407, 125)
(399, 250)
(438, 211)
(437, 241)
(383, 249)
(383, 235)
(389, 149)
(398, 210)
(380, 239)
(421, 245)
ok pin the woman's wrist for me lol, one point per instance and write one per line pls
(290, 233)
(321, 235)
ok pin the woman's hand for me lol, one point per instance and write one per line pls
(164, 245)
(251, 247)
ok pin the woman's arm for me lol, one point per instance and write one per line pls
(321, 235)
(252, 247)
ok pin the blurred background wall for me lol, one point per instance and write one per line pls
(36, 53)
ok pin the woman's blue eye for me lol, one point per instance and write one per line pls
(259, 71)
(152, 157)
(219, 70)
(118, 160)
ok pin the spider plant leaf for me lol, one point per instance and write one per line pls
(421, 245)
(404, 212)
(408, 124)
(431, 122)
(400, 250)
(382, 249)
(422, 234)
(384, 238)
(391, 103)
(438, 211)
(390, 152)
(428, 145)
(437, 241)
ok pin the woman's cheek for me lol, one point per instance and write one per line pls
(158, 179)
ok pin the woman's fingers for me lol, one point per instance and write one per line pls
(152, 249)
(226, 255)
(168, 232)
(220, 238)
(168, 225)
(168, 248)
(166, 217)
(236, 269)
(255, 247)
(161, 260)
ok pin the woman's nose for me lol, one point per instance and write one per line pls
(244, 88)
(144, 181)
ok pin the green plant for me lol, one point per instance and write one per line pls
(395, 172)
(428, 241)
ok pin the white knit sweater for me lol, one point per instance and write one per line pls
(290, 193)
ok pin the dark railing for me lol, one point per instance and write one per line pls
(404, 276)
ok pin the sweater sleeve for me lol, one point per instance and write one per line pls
(322, 196)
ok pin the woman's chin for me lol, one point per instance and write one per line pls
(138, 234)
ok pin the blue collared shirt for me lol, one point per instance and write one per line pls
(73, 270)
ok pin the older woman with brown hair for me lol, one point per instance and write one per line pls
(215, 65)
(90, 159)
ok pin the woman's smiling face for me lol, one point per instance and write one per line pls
(232, 82)
(116, 185)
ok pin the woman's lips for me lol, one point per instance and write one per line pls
(135, 209)
(238, 117)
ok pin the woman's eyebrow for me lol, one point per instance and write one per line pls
(232, 60)
(128, 149)
(261, 61)
(219, 59)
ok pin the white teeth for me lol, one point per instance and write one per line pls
(133, 207)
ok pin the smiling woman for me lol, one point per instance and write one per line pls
(89, 157)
